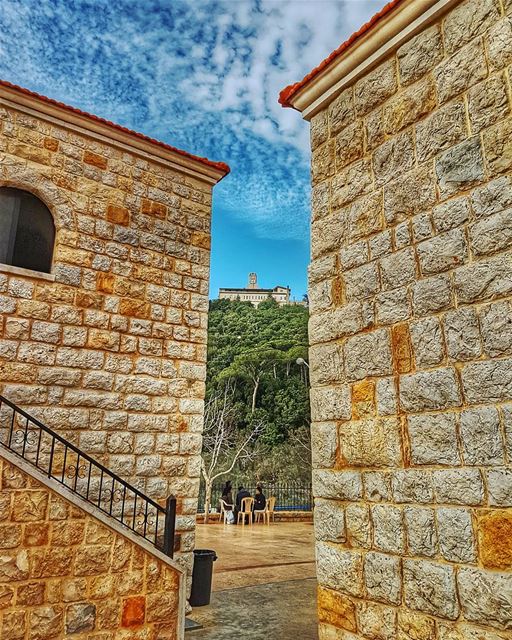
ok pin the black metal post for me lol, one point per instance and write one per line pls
(170, 525)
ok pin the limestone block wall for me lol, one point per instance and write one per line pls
(110, 351)
(411, 338)
(64, 574)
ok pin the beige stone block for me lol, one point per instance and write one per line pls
(415, 626)
(29, 152)
(161, 606)
(498, 147)
(351, 183)
(341, 111)
(373, 89)
(461, 71)
(340, 569)
(467, 20)
(322, 162)
(376, 621)
(409, 105)
(319, 129)
(409, 193)
(14, 566)
(443, 129)
(349, 144)
(373, 442)
(394, 157)
(46, 622)
(420, 55)
(92, 560)
(374, 129)
(499, 44)
(488, 103)
(365, 216)
(54, 561)
(14, 625)
(30, 506)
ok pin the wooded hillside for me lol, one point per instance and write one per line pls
(255, 351)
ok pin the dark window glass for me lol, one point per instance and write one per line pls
(27, 232)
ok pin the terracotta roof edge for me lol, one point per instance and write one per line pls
(291, 90)
(222, 167)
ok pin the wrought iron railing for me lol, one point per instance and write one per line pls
(290, 496)
(62, 461)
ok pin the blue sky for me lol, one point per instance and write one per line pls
(204, 76)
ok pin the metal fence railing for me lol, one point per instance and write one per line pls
(290, 496)
(62, 461)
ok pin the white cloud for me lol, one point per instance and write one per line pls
(201, 75)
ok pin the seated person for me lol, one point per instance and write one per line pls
(242, 493)
(259, 500)
(227, 496)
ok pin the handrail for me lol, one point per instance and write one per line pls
(125, 503)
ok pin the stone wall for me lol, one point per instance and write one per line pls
(111, 354)
(411, 338)
(63, 574)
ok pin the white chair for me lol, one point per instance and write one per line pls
(224, 509)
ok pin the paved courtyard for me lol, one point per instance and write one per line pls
(264, 583)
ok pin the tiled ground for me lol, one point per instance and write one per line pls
(264, 585)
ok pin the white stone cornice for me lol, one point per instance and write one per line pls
(389, 33)
(108, 135)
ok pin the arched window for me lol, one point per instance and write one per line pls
(27, 232)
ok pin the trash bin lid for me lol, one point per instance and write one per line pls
(205, 553)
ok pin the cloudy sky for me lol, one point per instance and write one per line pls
(204, 76)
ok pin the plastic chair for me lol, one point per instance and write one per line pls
(269, 511)
(246, 510)
(258, 513)
(224, 510)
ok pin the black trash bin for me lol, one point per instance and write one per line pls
(202, 577)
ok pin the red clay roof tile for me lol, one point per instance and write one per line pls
(220, 166)
(288, 92)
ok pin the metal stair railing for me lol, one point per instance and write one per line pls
(62, 461)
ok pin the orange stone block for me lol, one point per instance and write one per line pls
(36, 535)
(118, 215)
(363, 399)
(153, 208)
(95, 160)
(89, 300)
(134, 611)
(402, 349)
(135, 308)
(338, 291)
(363, 391)
(51, 144)
(336, 609)
(30, 593)
(105, 282)
(495, 539)
(201, 240)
